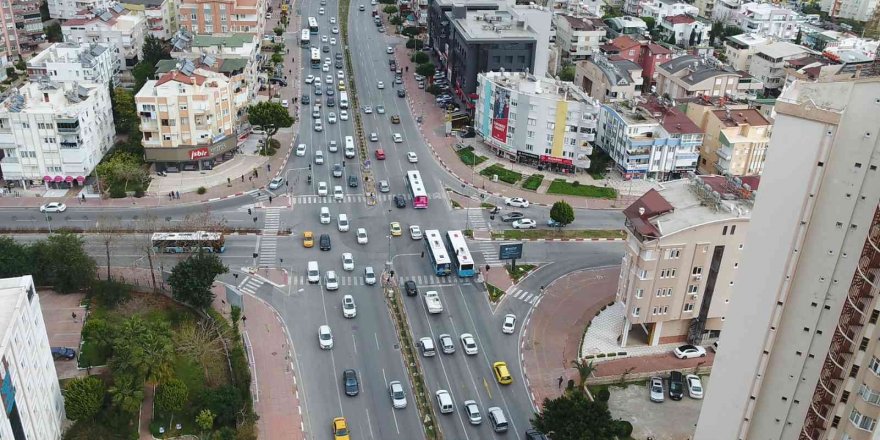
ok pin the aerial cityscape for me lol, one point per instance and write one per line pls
(440, 219)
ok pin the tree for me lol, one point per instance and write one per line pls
(585, 369)
(143, 349)
(426, 69)
(142, 72)
(562, 213)
(127, 393)
(573, 416)
(63, 263)
(155, 50)
(396, 20)
(83, 398)
(567, 73)
(390, 9)
(109, 293)
(53, 33)
(44, 12)
(15, 259)
(122, 169)
(171, 395)
(125, 114)
(225, 402)
(205, 420)
(650, 22)
(98, 331)
(270, 116)
(797, 38)
(191, 279)
(200, 342)
(411, 31)
(715, 32)
(420, 58)
(414, 43)
(108, 233)
(693, 38)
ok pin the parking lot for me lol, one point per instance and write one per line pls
(62, 328)
(668, 420)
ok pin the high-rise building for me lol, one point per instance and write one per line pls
(803, 359)
(74, 62)
(115, 27)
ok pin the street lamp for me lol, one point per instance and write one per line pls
(48, 221)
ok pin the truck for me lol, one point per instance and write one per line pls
(432, 302)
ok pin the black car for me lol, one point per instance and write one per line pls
(401, 93)
(330, 91)
(511, 216)
(338, 64)
(324, 242)
(400, 201)
(63, 353)
(534, 434)
(306, 99)
(338, 56)
(353, 181)
(410, 288)
(350, 383)
(331, 101)
(325, 49)
(676, 385)
(278, 81)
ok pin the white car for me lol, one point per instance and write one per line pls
(342, 223)
(335, 30)
(328, 79)
(310, 79)
(374, 137)
(347, 261)
(276, 183)
(53, 207)
(325, 68)
(323, 38)
(343, 115)
(321, 11)
(319, 157)
(369, 276)
(332, 20)
(524, 223)
(368, 109)
(331, 282)
(285, 104)
(319, 126)
(688, 351)
(398, 396)
(340, 74)
(509, 324)
(362, 236)
(473, 412)
(380, 109)
(322, 188)
(397, 138)
(517, 202)
(333, 41)
(349, 152)
(301, 150)
(325, 337)
(380, 84)
(469, 344)
(411, 157)
(331, 117)
(694, 386)
(349, 309)
(325, 215)
(415, 232)
(337, 193)
(332, 146)
(389, 50)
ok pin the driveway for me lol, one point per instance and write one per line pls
(668, 420)
(62, 328)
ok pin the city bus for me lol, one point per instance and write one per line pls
(316, 58)
(439, 258)
(182, 242)
(417, 189)
(305, 38)
(313, 25)
(461, 256)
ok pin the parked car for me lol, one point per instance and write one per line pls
(53, 207)
(676, 385)
(694, 386)
(63, 353)
(655, 389)
(511, 216)
(525, 223)
(688, 351)
(517, 202)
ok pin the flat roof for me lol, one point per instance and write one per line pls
(12, 291)
(230, 40)
(736, 117)
(782, 49)
(548, 88)
(502, 25)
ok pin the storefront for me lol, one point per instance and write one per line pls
(528, 158)
(557, 164)
(193, 157)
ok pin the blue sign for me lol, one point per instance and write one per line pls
(511, 251)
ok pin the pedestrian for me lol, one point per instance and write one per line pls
(235, 275)
(487, 268)
(177, 193)
(171, 195)
(406, 68)
(282, 260)
(228, 181)
(542, 288)
(559, 382)
(73, 315)
(242, 177)
(255, 219)
(270, 200)
(423, 254)
(268, 167)
(256, 174)
(244, 319)
(83, 197)
(250, 178)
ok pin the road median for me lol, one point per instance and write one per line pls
(564, 234)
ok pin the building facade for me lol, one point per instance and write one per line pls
(608, 80)
(739, 49)
(632, 26)
(222, 16)
(690, 75)
(161, 16)
(660, 9)
(28, 24)
(769, 62)
(55, 133)
(859, 10)
(70, 9)
(579, 37)
(32, 401)
(115, 27)
(440, 23)
(90, 62)
(767, 19)
(685, 30)
(537, 121)
(735, 141)
(241, 74)
(804, 362)
(676, 279)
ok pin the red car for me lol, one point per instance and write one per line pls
(380, 154)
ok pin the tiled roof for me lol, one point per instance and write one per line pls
(653, 205)
(624, 42)
(673, 120)
(181, 78)
(679, 19)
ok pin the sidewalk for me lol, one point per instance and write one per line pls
(554, 329)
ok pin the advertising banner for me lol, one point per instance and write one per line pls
(500, 114)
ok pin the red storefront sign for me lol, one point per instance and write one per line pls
(199, 153)
(551, 159)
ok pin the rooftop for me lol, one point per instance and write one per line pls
(13, 291)
(735, 118)
(748, 40)
(686, 203)
(546, 87)
(698, 69)
(144, 2)
(679, 19)
(585, 23)
(617, 71)
(470, 4)
(496, 25)
(782, 49)
(228, 40)
(673, 120)
(46, 96)
(108, 16)
(208, 62)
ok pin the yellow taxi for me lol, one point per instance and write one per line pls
(341, 85)
(502, 374)
(308, 239)
(340, 429)
(395, 229)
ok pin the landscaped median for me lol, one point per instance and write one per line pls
(470, 158)
(553, 234)
(560, 186)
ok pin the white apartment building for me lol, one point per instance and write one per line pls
(55, 133)
(70, 9)
(536, 121)
(690, 75)
(859, 10)
(580, 8)
(768, 63)
(739, 49)
(803, 361)
(240, 72)
(115, 27)
(660, 9)
(766, 19)
(161, 15)
(90, 62)
(35, 410)
(579, 37)
(683, 249)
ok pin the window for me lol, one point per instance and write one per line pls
(532, 122)
(862, 421)
(693, 288)
(689, 307)
(673, 254)
(697, 271)
(639, 293)
(664, 291)
(870, 396)
(643, 274)
(874, 365)
(551, 126)
(636, 311)
(530, 134)
(667, 273)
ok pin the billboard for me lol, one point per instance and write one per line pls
(500, 113)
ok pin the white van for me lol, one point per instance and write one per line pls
(444, 401)
(497, 419)
(325, 215)
(343, 100)
(313, 273)
(342, 223)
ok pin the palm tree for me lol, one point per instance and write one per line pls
(585, 370)
(127, 393)
(144, 349)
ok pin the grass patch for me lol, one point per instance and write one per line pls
(504, 175)
(532, 234)
(560, 186)
(456, 204)
(520, 271)
(533, 182)
(495, 293)
(485, 205)
(469, 233)
(470, 158)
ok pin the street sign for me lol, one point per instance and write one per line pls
(511, 251)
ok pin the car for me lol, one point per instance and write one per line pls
(324, 68)
(415, 232)
(301, 150)
(401, 93)
(308, 239)
(350, 382)
(285, 104)
(325, 337)
(517, 202)
(362, 236)
(412, 157)
(398, 80)
(502, 374)
(63, 353)
(332, 146)
(534, 434)
(418, 77)
(511, 216)
(330, 92)
(655, 388)
(380, 84)
(335, 30)
(349, 152)
(331, 281)
(340, 75)
(397, 138)
(352, 181)
(676, 385)
(331, 118)
(340, 429)
(399, 201)
(349, 309)
(410, 288)
(397, 394)
(444, 401)
(472, 411)
(374, 137)
(347, 261)
(324, 242)
(322, 188)
(469, 344)
(342, 223)
(338, 195)
(381, 29)
(341, 85)
(333, 41)
(331, 101)
(338, 64)
(395, 119)
(316, 112)
(320, 11)
(689, 351)
(427, 346)
(343, 115)
(362, 8)
(337, 170)
(509, 324)
(276, 183)
(554, 224)
(53, 207)
(319, 126)
(421, 84)
(395, 229)
(325, 49)
(368, 109)
(310, 79)
(525, 223)
(389, 50)
(380, 154)
(380, 109)
(324, 215)
(323, 38)
(445, 343)
(694, 386)
(369, 276)
(332, 20)
(305, 99)
(383, 186)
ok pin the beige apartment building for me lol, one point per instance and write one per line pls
(735, 141)
(222, 16)
(803, 358)
(188, 119)
(684, 244)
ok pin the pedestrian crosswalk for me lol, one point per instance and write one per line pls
(420, 280)
(353, 198)
(476, 219)
(250, 285)
(490, 252)
(299, 280)
(522, 295)
(269, 241)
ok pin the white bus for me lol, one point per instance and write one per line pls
(460, 254)
(183, 242)
(417, 189)
(316, 58)
(343, 100)
(313, 25)
(305, 38)
(439, 258)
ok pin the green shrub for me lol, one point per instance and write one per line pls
(201, 190)
(117, 192)
(624, 429)
(603, 395)
(109, 293)
(139, 192)
(504, 174)
(533, 182)
(470, 158)
(560, 186)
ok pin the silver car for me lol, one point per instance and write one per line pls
(383, 186)
(398, 396)
(473, 412)
(655, 386)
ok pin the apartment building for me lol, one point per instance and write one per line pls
(804, 362)
(766, 19)
(536, 121)
(161, 16)
(222, 16)
(70, 9)
(706, 7)
(241, 74)
(632, 26)
(683, 250)
(233, 55)
(580, 8)
(769, 62)
(55, 133)
(660, 9)
(739, 49)
(122, 31)
(89, 62)
(609, 80)
(690, 75)
(649, 139)
(735, 141)
(28, 24)
(579, 37)
(32, 401)
(440, 24)
(9, 40)
(859, 10)
(646, 54)
(685, 30)
(188, 120)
